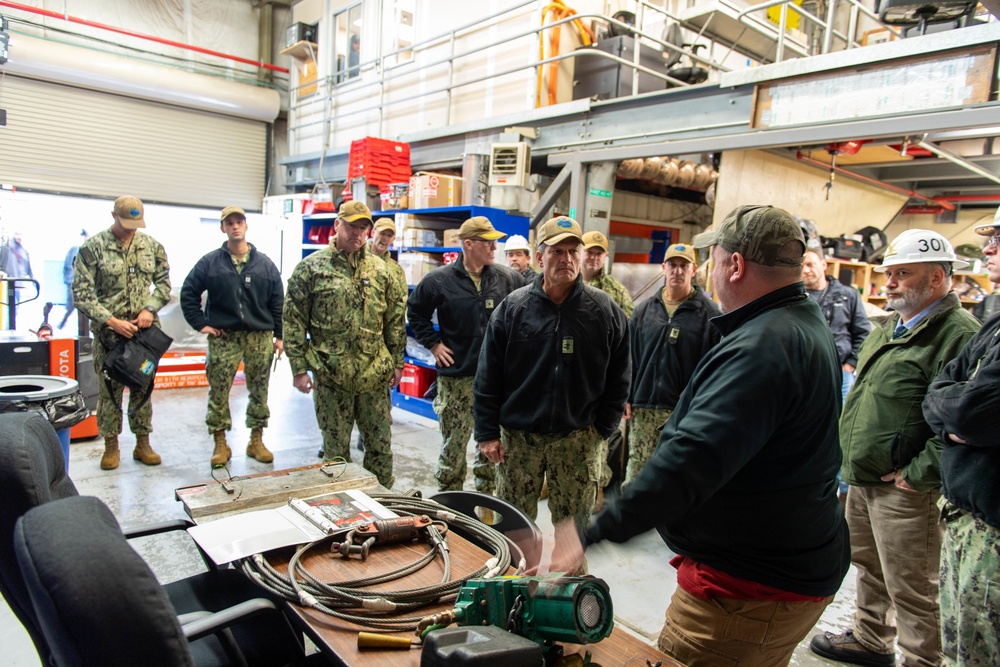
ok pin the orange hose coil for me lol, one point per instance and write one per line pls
(559, 11)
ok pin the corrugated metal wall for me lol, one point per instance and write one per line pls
(70, 140)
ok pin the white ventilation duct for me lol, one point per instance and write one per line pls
(94, 70)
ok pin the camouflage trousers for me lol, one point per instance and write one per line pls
(571, 462)
(970, 592)
(256, 350)
(109, 404)
(337, 411)
(643, 436)
(453, 406)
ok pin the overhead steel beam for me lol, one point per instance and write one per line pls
(960, 161)
(551, 194)
(984, 115)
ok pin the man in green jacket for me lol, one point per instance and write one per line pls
(891, 459)
(343, 322)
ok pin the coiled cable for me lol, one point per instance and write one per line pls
(350, 601)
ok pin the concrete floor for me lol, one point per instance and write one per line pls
(638, 573)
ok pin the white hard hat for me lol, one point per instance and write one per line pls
(516, 242)
(919, 245)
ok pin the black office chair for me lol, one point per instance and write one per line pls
(33, 473)
(511, 522)
(98, 603)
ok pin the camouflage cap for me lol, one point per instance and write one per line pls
(759, 233)
(682, 250)
(383, 224)
(354, 210)
(595, 240)
(558, 229)
(229, 210)
(129, 211)
(479, 227)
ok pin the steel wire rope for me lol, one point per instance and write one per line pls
(370, 607)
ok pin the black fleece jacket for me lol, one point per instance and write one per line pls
(744, 478)
(247, 301)
(964, 401)
(667, 348)
(462, 312)
(552, 368)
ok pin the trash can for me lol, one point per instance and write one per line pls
(57, 398)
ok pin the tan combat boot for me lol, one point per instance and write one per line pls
(222, 452)
(110, 459)
(143, 452)
(256, 448)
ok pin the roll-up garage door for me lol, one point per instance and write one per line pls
(69, 140)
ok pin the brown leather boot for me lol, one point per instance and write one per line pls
(256, 448)
(143, 452)
(222, 452)
(111, 456)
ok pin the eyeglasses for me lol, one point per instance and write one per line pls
(992, 242)
(487, 242)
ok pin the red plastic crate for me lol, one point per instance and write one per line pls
(379, 161)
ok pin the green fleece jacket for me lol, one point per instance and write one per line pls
(882, 428)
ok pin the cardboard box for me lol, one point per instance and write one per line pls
(416, 265)
(415, 237)
(451, 239)
(435, 190)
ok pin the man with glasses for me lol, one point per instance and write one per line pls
(464, 293)
(963, 407)
(670, 333)
(891, 459)
(343, 323)
(742, 486)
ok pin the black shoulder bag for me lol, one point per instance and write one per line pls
(133, 363)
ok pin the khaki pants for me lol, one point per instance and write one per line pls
(896, 547)
(747, 633)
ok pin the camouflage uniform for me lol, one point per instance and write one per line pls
(110, 280)
(643, 436)
(256, 350)
(396, 272)
(571, 462)
(615, 290)
(343, 320)
(970, 592)
(453, 406)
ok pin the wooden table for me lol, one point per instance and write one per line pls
(338, 639)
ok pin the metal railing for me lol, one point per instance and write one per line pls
(336, 99)
(329, 88)
(826, 25)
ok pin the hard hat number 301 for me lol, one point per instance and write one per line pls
(926, 245)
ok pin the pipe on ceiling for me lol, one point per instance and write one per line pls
(131, 33)
(37, 58)
(872, 181)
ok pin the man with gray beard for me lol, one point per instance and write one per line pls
(891, 459)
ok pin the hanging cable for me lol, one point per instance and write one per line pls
(352, 600)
